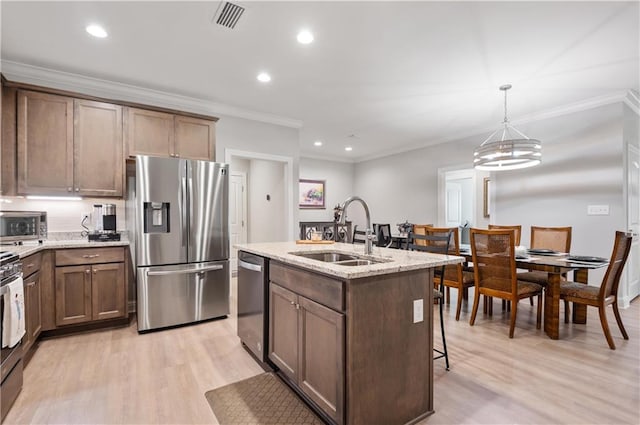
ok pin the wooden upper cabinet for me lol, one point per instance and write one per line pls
(98, 158)
(45, 143)
(149, 133)
(68, 146)
(194, 138)
(168, 135)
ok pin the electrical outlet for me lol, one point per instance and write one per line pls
(418, 311)
(598, 210)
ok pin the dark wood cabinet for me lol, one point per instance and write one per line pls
(68, 146)
(169, 135)
(44, 143)
(73, 295)
(307, 340)
(90, 285)
(32, 300)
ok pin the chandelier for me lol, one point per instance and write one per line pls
(511, 151)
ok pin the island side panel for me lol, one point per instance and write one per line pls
(389, 358)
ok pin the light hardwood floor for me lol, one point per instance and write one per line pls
(120, 377)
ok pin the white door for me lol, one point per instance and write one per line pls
(237, 214)
(633, 221)
(453, 204)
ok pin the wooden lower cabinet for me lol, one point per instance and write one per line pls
(73, 295)
(89, 292)
(307, 344)
(33, 309)
(108, 298)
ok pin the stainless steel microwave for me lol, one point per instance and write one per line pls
(18, 226)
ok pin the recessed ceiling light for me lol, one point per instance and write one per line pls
(348, 149)
(264, 77)
(97, 31)
(305, 37)
(317, 143)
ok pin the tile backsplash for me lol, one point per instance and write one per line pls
(65, 216)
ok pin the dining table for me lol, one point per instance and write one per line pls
(555, 264)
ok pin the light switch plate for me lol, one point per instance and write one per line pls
(418, 311)
(598, 210)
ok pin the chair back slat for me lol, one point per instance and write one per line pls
(556, 238)
(383, 234)
(611, 280)
(493, 253)
(436, 244)
(359, 236)
(452, 272)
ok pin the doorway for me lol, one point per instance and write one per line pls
(633, 224)
(260, 198)
(459, 198)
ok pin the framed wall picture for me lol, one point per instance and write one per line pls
(486, 196)
(312, 194)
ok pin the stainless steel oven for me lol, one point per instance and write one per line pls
(11, 366)
(18, 226)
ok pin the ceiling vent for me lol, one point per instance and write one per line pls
(228, 14)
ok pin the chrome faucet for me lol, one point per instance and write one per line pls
(342, 211)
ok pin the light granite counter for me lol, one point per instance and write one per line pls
(392, 260)
(29, 248)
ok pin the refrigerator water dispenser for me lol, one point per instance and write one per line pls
(156, 217)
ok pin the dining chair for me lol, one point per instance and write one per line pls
(516, 228)
(359, 236)
(555, 238)
(454, 274)
(383, 234)
(607, 293)
(438, 244)
(493, 254)
(420, 229)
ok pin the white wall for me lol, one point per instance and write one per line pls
(266, 219)
(338, 177)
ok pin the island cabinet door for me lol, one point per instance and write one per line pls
(283, 330)
(322, 357)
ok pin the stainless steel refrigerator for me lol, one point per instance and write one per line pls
(181, 241)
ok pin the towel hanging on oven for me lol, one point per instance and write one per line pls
(13, 325)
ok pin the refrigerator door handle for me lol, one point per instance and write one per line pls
(249, 266)
(185, 271)
(183, 200)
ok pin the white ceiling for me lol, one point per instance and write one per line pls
(394, 74)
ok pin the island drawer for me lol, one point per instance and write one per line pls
(31, 264)
(77, 256)
(322, 289)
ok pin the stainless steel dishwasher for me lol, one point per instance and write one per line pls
(253, 299)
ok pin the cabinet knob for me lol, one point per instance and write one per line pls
(77, 189)
(177, 155)
(87, 271)
(292, 302)
(95, 271)
(69, 189)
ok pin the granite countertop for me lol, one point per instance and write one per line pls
(29, 248)
(393, 260)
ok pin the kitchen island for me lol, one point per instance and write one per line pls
(354, 340)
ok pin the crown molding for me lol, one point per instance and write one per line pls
(583, 105)
(632, 100)
(329, 158)
(29, 74)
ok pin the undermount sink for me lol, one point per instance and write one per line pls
(338, 258)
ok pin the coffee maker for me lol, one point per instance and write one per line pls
(104, 223)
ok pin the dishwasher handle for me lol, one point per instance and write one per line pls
(184, 271)
(249, 266)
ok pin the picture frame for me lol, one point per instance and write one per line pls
(486, 196)
(311, 194)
